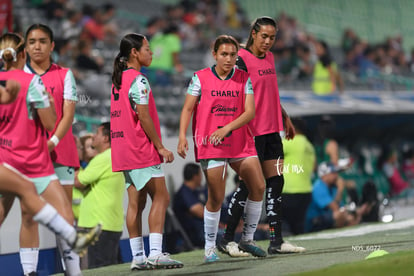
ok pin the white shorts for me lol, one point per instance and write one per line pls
(207, 164)
(140, 177)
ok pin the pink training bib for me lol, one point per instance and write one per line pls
(23, 143)
(131, 148)
(262, 73)
(222, 101)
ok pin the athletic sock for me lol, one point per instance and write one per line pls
(70, 258)
(155, 244)
(49, 217)
(252, 212)
(235, 211)
(274, 187)
(29, 258)
(211, 223)
(137, 249)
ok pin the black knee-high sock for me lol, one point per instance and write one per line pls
(274, 187)
(235, 210)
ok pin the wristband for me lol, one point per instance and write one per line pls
(55, 140)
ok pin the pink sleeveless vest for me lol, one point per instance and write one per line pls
(131, 148)
(23, 143)
(262, 73)
(65, 153)
(222, 101)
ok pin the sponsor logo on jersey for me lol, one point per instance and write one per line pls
(225, 93)
(4, 142)
(116, 114)
(218, 108)
(6, 119)
(117, 134)
(270, 71)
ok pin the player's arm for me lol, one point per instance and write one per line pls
(332, 150)
(91, 174)
(248, 114)
(197, 210)
(191, 98)
(289, 127)
(139, 93)
(68, 112)
(8, 91)
(43, 103)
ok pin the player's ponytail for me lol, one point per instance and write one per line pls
(128, 42)
(11, 45)
(261, 21)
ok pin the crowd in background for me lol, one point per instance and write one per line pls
(84, 33)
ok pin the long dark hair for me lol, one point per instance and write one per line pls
(42, 27)
(261, 21)
(128, 42)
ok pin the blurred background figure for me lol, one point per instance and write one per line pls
(299, 164)
(6, 16)
(103, 200)
(189, 204)
(388, 163)
(326, 77)
(86, 153)
(325, 210)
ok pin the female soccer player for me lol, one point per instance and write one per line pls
(31, 113)
(222, 100)
(258, 61)
(60, 83)
(12, 182)
(137, 150)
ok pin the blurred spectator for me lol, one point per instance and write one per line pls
(388, 163)
(71, 26)
(349, 40)
(299, 164)
(153, 26)
(408, 165)
(103, 201)
(304, 62)
(85, 60)
(54, 9)
(6, 16)
(326, 77)
(85, 153)
(166, 47)
(328, 151)
(411, 61)
(236, 17)
(189, 204)
(325, 209)
(95, 29)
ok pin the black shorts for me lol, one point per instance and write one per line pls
(269, 146)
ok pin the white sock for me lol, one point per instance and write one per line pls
(49, 217)
(252, 210)
(155, 242)
(29, 258)
(70, 258)
(211, 223)
(137, 249)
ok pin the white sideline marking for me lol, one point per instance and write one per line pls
(362, 230)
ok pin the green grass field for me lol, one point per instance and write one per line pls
(335, 252)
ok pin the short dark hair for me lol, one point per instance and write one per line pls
(190, 170)
(106, 130)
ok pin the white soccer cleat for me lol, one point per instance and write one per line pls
(234, 251)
